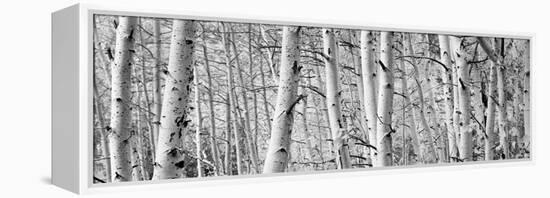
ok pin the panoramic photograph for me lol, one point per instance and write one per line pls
(180, 99)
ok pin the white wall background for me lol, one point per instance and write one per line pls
(25, 96)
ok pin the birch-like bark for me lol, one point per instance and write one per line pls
(502, 107)
(465, 142)
(212, 118)
(426, 146)
(448, 94)
(169, 163)
(198, 124)
(491, 101)
(440, 134)
(278, 153)
(121, 113)
(385, 102)
(336, 121)
(157, 100)
(369, 77)
(227, 159)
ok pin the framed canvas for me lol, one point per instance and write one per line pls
(149, 99)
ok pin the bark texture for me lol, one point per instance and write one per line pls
(278, 153)
(174, 121)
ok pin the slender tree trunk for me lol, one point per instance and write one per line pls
(227, 159)
(138, 170)
(254, 101)
(213, 141)
(264, 90)
(278, 153)
(465, 143)
(426, 146)
(198, 123)
(323, 104)
(368, 69)
(491, 101)
(336, 121)
(385, 101)
(157, 101)
(448, 94)
(169, 161)
(440, 135)
(146, 171)
(121, 115)
(502, 107)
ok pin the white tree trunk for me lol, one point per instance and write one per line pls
(278, 153)
(337, 123)
(502, 107)
(157, 101)
(465, 142)
(448, 94)
(440, 133)
(491, 101)
(368, 69)
(174, 120)
(198, 123)
(121, 113)
(385, 101)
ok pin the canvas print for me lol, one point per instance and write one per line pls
(179, 99)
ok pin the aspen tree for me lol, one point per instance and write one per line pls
(169, 160)
(465, 143)
(227, 158)
(502, 107)
(336, 121)
(278, 153)
(369, 77)
(121, 111)
(448, 94)
(491, 102)
(198, 123)
(157, 100)
(385, 101)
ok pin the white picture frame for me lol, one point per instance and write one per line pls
(72, 71)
